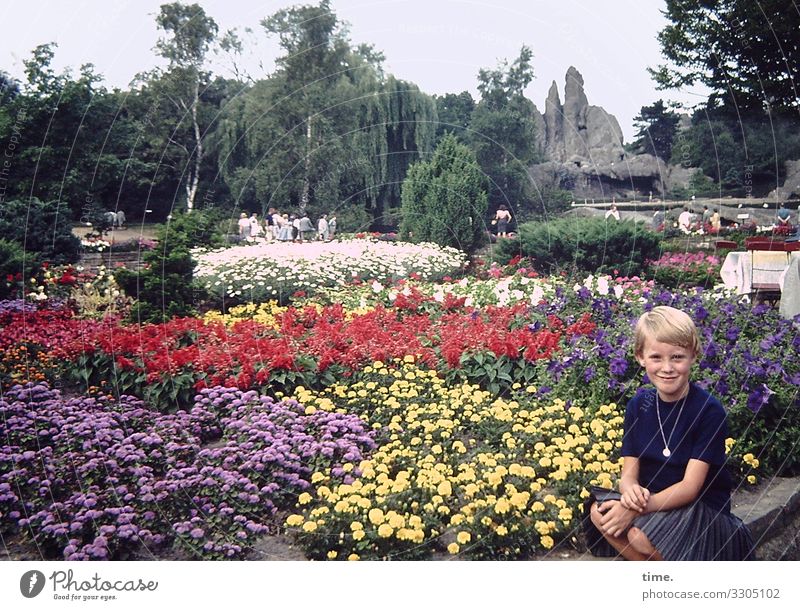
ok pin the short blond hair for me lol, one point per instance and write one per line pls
(666, 325)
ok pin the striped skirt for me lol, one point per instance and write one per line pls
(695, 532)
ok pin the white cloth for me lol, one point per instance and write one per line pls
(255, 227)
(737, 269)
(790, 289)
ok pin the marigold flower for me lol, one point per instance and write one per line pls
(453, 548)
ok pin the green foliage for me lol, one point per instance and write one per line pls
(15, 266)
(656, 127)
(503, 131)
(742, 50)
(727, 146)
(583, 244)
(444, 200)
(165, 287)
(201, 228)
(41, 228)
(454, 114)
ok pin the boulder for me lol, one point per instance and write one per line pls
(791, 186)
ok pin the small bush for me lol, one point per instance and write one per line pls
(15, 265)
(592, 245)
(40, 227)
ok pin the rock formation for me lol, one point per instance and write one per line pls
(582, 146)
(791, 186)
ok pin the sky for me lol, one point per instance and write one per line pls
(437, 44)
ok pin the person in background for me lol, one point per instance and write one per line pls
(613, 212)
(331, 226)
(716, 222)
(784, 217)
(244, 226)
(255, 228)
(502, 217)
(277, 223)
(322, 228)
(685, 220)
(658, 220)
(706, 215)
(120, 219)
(295, 220)
(305, 227)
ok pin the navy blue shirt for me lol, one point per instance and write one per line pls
(699, 434)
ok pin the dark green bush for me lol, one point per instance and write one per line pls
(43, 228)
(591, 245)
(15, 266)
(200, 228)
(163, 289)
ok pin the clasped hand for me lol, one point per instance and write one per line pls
(617, 516)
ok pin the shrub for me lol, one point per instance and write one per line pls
(163, 288)
(206, 228)
(40, 227)
(583, 244)
(444, 200)
(15, 265)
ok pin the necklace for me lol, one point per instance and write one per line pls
(666, 453)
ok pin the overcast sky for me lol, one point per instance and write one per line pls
(438, 44)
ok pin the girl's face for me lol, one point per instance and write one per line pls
(668, 367)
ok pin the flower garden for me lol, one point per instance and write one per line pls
(388, 405)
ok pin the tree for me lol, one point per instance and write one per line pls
(316, 48)
(656, 128)
(444, 200)
(748, 52)
(503, 131)
(454, 114)
(190, 33)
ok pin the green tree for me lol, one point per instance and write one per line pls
(444, 199)
(656, 128)
(747, 51)
(190, 33)
(503, 131)
(454, 114)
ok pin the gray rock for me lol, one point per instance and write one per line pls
(791, 186)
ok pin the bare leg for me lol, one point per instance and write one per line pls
(641, 544)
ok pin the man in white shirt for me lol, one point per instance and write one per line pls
(685, 221)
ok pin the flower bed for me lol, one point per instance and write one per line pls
(94, 478)
(686, 269)
(258, 273)
(465, 441)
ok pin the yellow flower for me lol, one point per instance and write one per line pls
(375, 516)
(444, 488)
(309, 526)
(502, 506)
(353, 557)
(332, 554)
(463, 537)
(293, 520)
(751, 479)
(547, 542)
(453, 548)
(501, 530)
(358, 535)
(317, 477)
(396, 520)
(385, 530)
(304, 498)
(356, 525)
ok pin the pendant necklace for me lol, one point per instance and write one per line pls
(666, 453)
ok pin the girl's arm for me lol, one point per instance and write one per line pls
(681, 493)
(634, 496)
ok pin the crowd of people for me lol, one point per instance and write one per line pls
(282, 227)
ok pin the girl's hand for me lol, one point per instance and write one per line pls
(635, 498)
(616, 519)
